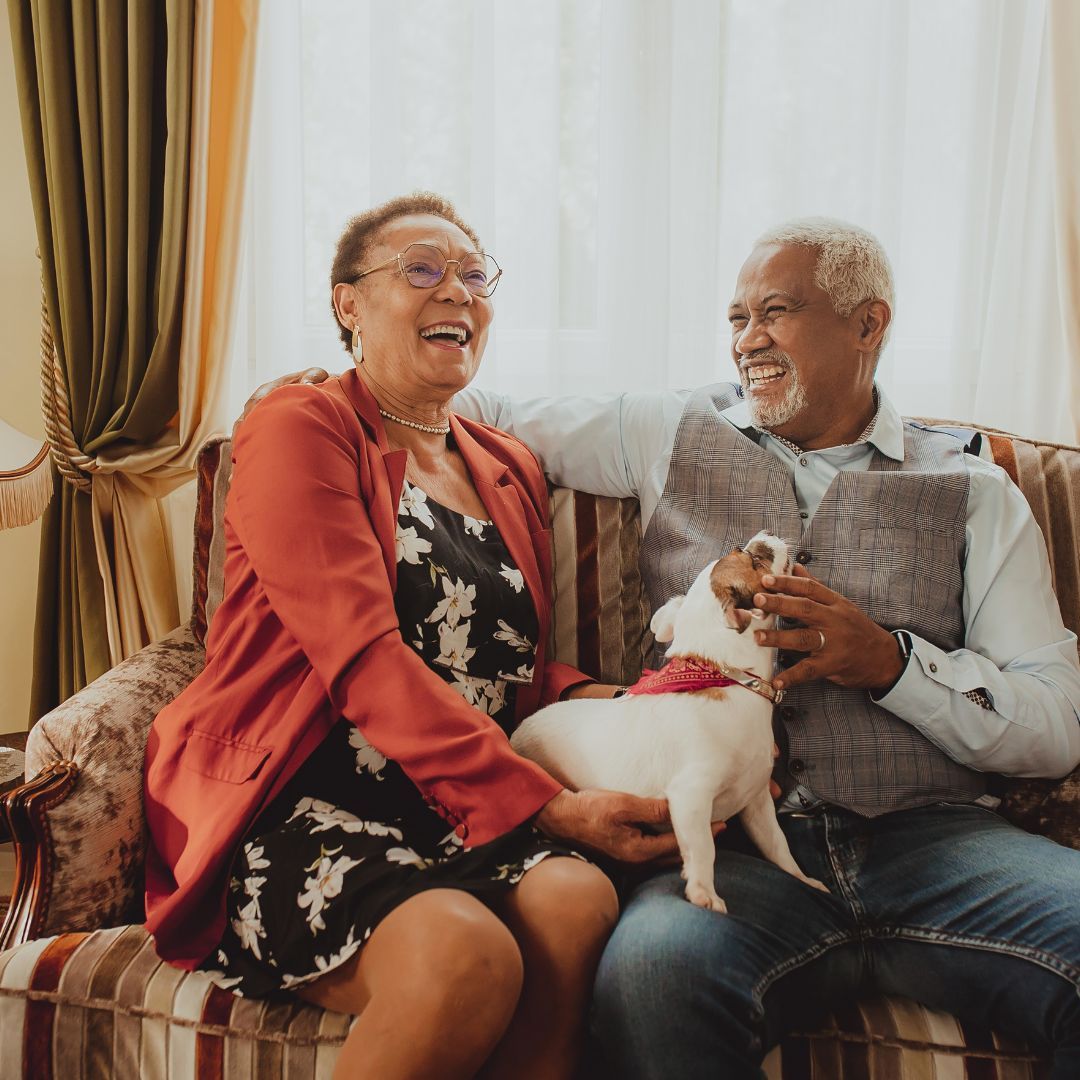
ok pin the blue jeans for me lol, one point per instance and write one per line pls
(949, 905)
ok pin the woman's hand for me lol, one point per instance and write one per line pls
(611, 823)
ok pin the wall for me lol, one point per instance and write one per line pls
(20, 299)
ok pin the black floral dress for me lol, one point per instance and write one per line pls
(350, 837)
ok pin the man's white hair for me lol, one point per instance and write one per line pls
(852, 265)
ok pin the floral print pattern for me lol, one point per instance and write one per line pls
(350, 837)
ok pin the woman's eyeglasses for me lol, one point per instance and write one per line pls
(424, 266)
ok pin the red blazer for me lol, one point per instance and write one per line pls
(307, 633)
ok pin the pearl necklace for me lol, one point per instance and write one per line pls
(429, 429)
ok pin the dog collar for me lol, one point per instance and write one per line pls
(683, 675)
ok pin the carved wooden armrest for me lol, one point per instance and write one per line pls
(24, 810)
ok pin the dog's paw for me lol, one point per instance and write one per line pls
(704, 897)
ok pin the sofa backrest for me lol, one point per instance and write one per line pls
(600, 620)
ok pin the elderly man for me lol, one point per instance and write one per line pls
(925, 650)
(921, 649)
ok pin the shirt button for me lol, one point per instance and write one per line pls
(804, 461)
(933, 666)
(803, 557)
(797, 765)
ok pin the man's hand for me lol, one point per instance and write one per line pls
(611, 823)
(310, 376)
(856, 651)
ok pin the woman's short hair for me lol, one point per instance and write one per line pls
(362, 233)
(852, 265)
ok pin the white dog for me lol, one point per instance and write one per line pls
(699, 733)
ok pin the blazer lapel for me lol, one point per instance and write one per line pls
(384, 519)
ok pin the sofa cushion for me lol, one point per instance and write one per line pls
(103, 1004)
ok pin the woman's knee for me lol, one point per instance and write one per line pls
(442, 951)
(569, 899)
(468, 943)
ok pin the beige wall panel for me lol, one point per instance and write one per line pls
(19, 304)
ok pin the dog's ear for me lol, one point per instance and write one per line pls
(738, 618)
(663, 622)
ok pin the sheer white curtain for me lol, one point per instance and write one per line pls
(618, 159)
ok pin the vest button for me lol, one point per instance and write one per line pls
(803, 514)
(787, 713)
(803, 557)
(797, 765)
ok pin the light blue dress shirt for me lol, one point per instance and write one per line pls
(1017, 651)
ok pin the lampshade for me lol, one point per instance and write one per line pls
(26, 483)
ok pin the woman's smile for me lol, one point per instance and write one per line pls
(452, 334)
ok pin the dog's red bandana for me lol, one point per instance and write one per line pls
(682, 675)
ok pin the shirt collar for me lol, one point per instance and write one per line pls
(887, 434)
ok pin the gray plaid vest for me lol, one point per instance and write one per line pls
(891, 540)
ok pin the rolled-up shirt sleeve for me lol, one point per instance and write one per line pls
(1009, 701)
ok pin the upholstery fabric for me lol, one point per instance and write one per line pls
(102, 1004)
(99, 1003)
(98, 831)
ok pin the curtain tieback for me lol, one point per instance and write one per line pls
(72, 464)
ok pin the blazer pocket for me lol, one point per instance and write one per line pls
(219, 758)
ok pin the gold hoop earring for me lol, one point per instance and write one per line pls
(357, 345)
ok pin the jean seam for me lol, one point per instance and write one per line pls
(1043, 959)
(761, 987)
(844, 884)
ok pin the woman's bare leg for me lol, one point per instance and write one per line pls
(561, 914)
(434, 987)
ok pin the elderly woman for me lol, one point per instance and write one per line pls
(333, 805)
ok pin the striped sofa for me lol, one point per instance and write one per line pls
(82, 993)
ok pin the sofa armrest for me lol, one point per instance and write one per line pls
(77, 823)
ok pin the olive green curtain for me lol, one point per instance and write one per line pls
(105, 96)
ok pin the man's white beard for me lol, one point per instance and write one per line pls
(774, 414)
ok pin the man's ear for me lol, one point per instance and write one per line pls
(663, 622)
(872, 318)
